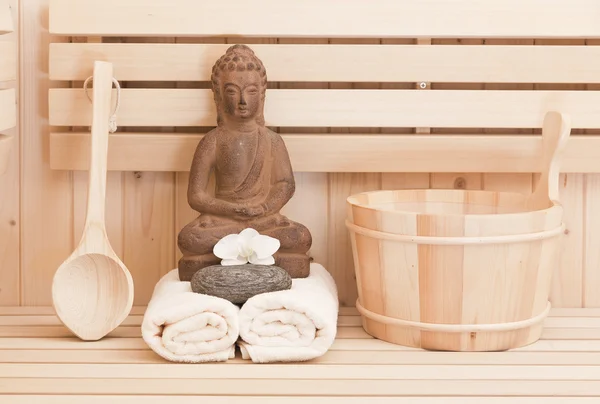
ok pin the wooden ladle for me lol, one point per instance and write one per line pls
(555, 135)
(92, 290)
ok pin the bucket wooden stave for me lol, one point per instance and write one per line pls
(453, 270)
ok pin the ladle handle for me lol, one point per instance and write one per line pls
(101, 109)
(555, 135)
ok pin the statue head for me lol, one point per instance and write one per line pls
(239, 84)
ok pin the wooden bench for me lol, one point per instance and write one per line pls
(389, 91)
(41, 363)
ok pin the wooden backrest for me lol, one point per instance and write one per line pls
(418, 102)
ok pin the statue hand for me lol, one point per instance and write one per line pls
(248, 212)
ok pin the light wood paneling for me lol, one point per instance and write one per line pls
(389, 18)
(376, 69)
(311, 188)
(591, 248)
(6, 16)
(149, 216)
(341, 153)
(10, 223)
(8, 109)
(147, 229)
(567, 290)
(46, 195)
(6, 151)
(309, 108)
(340, 258)
(123, 399)
(339, 62)
(8, 61)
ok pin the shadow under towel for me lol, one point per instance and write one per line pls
(183, 326)
(297, 324)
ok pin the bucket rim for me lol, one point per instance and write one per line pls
(351, 200)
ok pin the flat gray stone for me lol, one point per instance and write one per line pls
(238, 283)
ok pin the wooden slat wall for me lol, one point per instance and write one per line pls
(9, 157)
(411, 19)
(151, 208)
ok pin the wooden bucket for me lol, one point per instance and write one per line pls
(458, 270)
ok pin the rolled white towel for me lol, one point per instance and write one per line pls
(183, 326)
(297, 324)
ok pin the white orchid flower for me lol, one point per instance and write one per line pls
(247, 246)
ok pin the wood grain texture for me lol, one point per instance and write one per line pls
(6, 151)
(8, 110)
(8, 62)
(335, 62)
(389, 19)
(320, 107)
(46, 195)
(149, 214)
(10, 160)
(567, 289)
(513, 182)
(311, 188)
(341, 262)
(591, 250)
(62, 369)
(7, 24)
(403, 178)
(148, 229)
(495, 65)
(123, 399)
(472, 153)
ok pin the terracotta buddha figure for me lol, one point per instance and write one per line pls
(253, 174)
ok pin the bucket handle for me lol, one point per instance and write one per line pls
(555, 135)
(512, 326)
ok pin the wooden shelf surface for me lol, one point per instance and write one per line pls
(40, 361)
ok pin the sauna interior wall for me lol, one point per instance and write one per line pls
(42, 210)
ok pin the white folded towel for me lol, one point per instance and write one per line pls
(183, 326)
(297, 324)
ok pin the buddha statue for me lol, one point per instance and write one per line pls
(252, 169)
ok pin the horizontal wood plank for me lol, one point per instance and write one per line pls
(337, 63)
(6, 22)
(331, 357)
(123, 369)
(360, 18)
(228, 399)
(343, 321)
(343, 311)
(49, 310)
(581, 334)
(8, 61)
(340, 153)
(193, 372)
(8, 109)
(340, 344)
(59, 331)
(301, 387)
(344, 108)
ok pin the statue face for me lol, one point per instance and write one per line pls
(241, 94)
